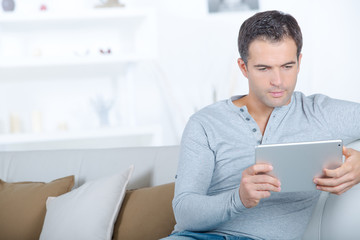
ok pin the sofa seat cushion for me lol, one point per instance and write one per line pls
(146, 213)
(23, 206)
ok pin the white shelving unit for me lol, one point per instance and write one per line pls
(45, 42)
(103, 43)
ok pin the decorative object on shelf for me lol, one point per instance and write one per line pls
(15, 123)
(217, 6)
(110, 3)
(43, 7)
(62, 126)
(36, 121)
(37, 52)
(8, 5)
(102, 108)
(2, 127)
(105, 52)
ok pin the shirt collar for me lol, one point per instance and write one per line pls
(276, 109)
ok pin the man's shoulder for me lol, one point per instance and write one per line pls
(317, 98)
(216, 109)
(322, 102)
(301, 95)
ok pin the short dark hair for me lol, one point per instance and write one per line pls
(270, 25)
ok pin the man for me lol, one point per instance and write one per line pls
(220, 192)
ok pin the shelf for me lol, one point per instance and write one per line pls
(99, 138)
(45, 67)
(49, 18)
(36, 62)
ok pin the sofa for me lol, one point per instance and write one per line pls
(144, 209)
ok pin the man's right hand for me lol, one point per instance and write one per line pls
(257, 184)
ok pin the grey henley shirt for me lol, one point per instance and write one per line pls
(219, 142)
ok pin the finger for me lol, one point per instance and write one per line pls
(266, 179)
(338, 172)
(347, 188)
(267, 187)
(257, 195)
(258, 168)
(264, 194)
(332, 182)
(337, 189)
(347, 152)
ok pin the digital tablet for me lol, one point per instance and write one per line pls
(296, 164)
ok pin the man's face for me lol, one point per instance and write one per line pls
(272, 71)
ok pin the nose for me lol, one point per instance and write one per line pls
(276, 79)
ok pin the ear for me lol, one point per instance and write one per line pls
(242, 67)
(299, 62)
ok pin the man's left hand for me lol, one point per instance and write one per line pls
(343, 178)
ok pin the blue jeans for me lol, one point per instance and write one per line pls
(187, 235)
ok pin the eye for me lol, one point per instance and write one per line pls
(262, 69)
(288, 66)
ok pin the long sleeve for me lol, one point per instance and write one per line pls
(342, 117)
(194, 208)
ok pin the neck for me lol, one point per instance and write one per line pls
(259, 112)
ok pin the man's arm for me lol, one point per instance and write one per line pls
(343, 119)
(194, 208)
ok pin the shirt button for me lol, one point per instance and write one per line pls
(247, 119)
(241, 110)
(254, 130)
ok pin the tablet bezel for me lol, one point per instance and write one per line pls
(307, 159)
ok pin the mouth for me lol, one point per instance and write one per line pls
(277, 94)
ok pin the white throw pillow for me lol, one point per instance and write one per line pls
(88, 212)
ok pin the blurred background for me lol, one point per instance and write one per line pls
(91, 73)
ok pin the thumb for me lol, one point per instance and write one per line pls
(347, 152)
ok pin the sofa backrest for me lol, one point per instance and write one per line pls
(336, 217)
(153, 165)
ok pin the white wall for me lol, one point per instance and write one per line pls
(331, 50)
(197, 56)
(198, 51)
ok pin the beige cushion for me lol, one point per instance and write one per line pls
(23, 206)
(146, 213)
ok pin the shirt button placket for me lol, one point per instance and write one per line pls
(254, 129)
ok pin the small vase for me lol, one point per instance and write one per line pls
(8, 5)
